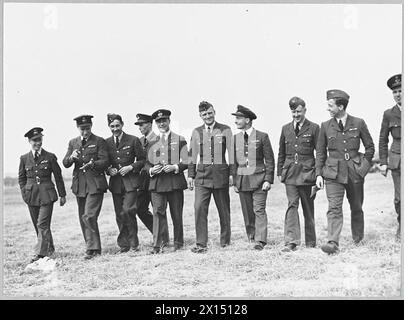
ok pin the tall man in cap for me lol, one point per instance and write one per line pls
(296, 169)
(145, 124)
(89, 155)
(38, 191)
(127, 158)
(343, 167)
(253, 174)
(167, 158)
(391, 124)
(211, 175)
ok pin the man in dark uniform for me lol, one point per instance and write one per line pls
(127, 158)
(391, 124)
(296, 169)
(89, 155)
(211, 175)
(38, 191)
(167, 158)
(253, 174)
(144, 122)
(343, 167)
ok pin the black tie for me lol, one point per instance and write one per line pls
(145, 142)
(245, 137)
(117, 142)
(36, 155)
(208, 129)
(340, 125)
(297, 129)
(83, 142)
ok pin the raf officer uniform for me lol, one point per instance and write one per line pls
(391, 124)
(123, 151)
(90, 184)
(143, 195)
(296, 167)
(253, 165)
(344, 168)
(167, 148)
(38, 191)
(211, 175)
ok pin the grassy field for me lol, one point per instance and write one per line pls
(372, 269)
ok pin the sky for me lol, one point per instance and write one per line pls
(64, 60)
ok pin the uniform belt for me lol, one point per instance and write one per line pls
(211, 160)
(297, 156)
(39, 180)
(343, 155)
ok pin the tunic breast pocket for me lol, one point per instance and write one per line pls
(332, 141)
(29, 170)
(289, 147)
(44, 169)
(395, 129)
(353, 139)
(90, 153)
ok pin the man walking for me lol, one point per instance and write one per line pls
(296, 169)
(253, 174)
(89, 155)
(343, 167)
(391, 124)
(210, 176)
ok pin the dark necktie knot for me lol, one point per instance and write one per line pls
(83, 142)
(36, 155)
(117, 142)
(341, 126)
(245, 136)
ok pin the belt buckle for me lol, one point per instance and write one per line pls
(246, 162)
(38, 180)
(346, 156)
(296, 157)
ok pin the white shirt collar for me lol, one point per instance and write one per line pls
(343, 119)
(300, 123)
(119, 137)
(166, 134)
(249, 131)
(39, 152)
(81, 137)
(211, 126)
(398, 106)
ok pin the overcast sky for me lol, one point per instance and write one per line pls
(64, 60)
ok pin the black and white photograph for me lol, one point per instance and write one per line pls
(176, 150)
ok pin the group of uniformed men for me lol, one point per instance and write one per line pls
(151, 169)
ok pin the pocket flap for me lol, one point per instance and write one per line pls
(331, 162)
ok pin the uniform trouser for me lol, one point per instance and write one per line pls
(202, 200)
(335, 195)
(292, 223)
(255, 217)
(125, 214)
(142, 204)
(396, 174)
(89, 210)
(175, 199)
(41, 218)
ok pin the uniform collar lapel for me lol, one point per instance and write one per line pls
(304, 127)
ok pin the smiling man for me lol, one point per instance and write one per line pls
(296, 169)
(391, 124)
(253, 174)
(89, 155)
(167, 158)
(210, 175)
(343, 167)
(38, 191)
(127, 158)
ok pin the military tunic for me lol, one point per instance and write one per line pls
(391, 124)
(211, 174)
(38, 192)
(344, 168)
(296, 167)
(89, 185)
(167, 188)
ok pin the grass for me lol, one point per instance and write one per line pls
(372, 269)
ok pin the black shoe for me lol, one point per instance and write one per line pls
(155, 251)
(36, 258)
(289, 247)
(199, 249)
(225, 245)
(122, 250)
(89, 255)
(330, 247)
(259, 246)
(135, 249)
